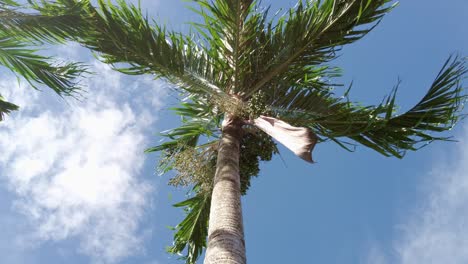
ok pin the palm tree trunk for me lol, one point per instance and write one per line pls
(226, 233)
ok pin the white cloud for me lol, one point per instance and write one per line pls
(436, 231)
(18, 94)
(75, 169)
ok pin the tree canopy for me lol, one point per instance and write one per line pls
(240, 60)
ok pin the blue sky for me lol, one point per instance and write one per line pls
(75, 186)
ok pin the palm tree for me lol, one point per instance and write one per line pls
(19, 54)
(244, 78)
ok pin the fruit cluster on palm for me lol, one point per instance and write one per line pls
(240, 64)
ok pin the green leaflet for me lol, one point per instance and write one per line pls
(319, 29)
(37, 69)
(41, 28)
(193, 230)
(377, 127)
(6, 108)
(20, 34)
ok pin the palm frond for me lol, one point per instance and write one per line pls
(6, 107)
(229, 30)
(436, 112)
(36, 69)
(193, 230)
(40, 28)
(199, 119)
(198, 125)
(310, 34)
(377, 127)
(126, 39)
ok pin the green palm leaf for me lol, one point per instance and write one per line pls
(40, 28)
(193, 230)
(375, 126)
(19, 33)
(229, 29)
(127, 40)
(311, 34)
(6, 107)
(436, 112)
(36, 69)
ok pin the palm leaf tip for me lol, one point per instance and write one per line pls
(193, 230)
(6, 108)
(438, 111)
(63, 78)
(37, 69)
(441, 107)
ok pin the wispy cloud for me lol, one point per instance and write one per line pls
(436, 231)
(75, 168)
(375, 255)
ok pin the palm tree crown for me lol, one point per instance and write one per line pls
(240, 63)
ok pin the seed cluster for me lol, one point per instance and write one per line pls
(257, 105)
(254, 148)
(194, 168)
(197, 168)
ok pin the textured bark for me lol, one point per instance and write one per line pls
(226, 233)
